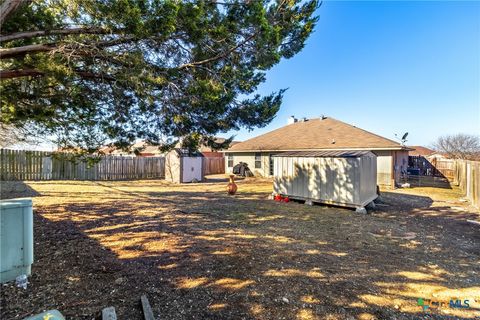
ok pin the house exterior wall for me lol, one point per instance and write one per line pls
(249, 159)
(400, 165)
(390, 165)
(384, 167)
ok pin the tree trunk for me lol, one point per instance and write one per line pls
(33, 34)
(18, 51)
(10, 74)
(8, 7)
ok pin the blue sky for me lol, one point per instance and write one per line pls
(387, 67)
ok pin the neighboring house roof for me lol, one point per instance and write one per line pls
(143, 148)
(217, 140)
(146, 149)
(437, 155)
(420, 151)
(70, 150)
(186, 153)
(317, 134)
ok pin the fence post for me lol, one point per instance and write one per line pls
(41, 165)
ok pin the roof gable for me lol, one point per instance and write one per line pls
(421, 151)
(316, 134)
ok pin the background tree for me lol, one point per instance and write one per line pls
(90, 71)
(11, 137)
(459, 146)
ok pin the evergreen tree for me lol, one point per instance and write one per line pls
(90, 71)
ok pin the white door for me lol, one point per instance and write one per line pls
(192, 169)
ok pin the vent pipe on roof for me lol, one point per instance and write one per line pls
(291, 120)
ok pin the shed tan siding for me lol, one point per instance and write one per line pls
(343, 181)
(173, 167)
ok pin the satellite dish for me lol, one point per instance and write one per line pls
(403, 139)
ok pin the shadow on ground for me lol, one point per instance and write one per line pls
(429, 181)
(16, 189)
(200, 254)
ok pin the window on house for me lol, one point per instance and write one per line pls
(230, 160)
(258, 160)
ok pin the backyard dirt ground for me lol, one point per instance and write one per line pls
(198, 253)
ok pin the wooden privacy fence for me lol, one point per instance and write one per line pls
(213, 165)
(42, 165)
(445, 167)
(467, 177)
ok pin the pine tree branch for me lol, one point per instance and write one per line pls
(42, 33)
(219, 56)
(36, 48)
(11, 74)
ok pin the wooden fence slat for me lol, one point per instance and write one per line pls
(41, 165)
(213, 165)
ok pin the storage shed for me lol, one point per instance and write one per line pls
(16, 238)
(345, 178)
(183, 166)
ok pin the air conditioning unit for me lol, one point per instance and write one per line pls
(16, 238)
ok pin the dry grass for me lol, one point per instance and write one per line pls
(200, 254)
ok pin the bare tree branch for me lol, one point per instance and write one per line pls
(459, 146)
(12, 136)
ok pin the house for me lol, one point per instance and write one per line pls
(418, 163)
(210, 153)
(419, 151)
(323, 133)
(138, 149)
(144, 149)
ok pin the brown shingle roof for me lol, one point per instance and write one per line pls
(420, 151)
(315, 134)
